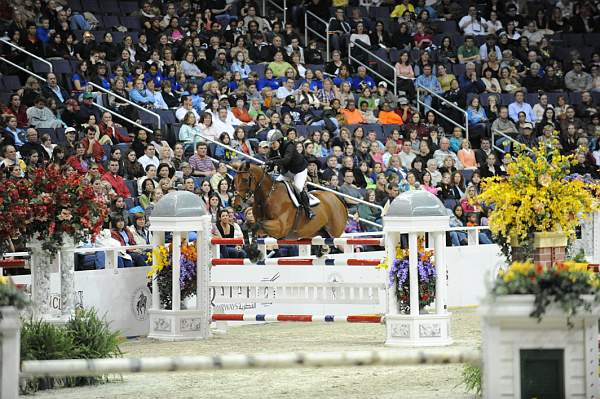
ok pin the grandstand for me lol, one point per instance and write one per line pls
(143, 98)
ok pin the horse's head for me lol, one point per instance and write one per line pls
(247, 180)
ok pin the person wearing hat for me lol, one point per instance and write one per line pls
(290, 107)
(526, 137)
(87, 108)
(384, 95)
(577, 79)
(292, 166)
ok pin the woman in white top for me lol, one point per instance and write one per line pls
(207, 127)
(540, 107)
(361, 34)
(306, 94)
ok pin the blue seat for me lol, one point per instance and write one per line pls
(131, 23)
(128, 7)
(61, 66)
(259, 69)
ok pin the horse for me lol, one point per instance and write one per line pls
(276, 215)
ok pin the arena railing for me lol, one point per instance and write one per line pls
(35, 75)
(37, 57)
(318, 186)
(464, 127)
(506, 136)
(380, 60)
(282, 8)
(312, 30)
(133, 104)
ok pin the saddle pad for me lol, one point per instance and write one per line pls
(312, 200)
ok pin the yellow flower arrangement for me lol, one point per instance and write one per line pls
(535, 196)
(159, 259)
(570, 284)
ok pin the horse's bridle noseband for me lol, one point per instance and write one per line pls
(250, 193)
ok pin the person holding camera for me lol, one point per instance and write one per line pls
(472, 23)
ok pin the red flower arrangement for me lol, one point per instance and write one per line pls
(47, 205)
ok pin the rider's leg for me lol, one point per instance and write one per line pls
(299, 183)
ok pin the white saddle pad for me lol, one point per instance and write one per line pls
(312, 200)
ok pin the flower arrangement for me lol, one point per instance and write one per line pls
(565, 284)
(10, 295)
(399, 277)
(47, 205)
(536, 196)
(162, 271)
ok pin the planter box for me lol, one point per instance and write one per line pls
(10, 347)
(178, 325)
(548, 248)
(418, 331)
(509, 332)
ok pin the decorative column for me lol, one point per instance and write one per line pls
(10, 349)
(67, 279)
(176, 260)
(203, 268)
(413, 273)
(441, 283)
(41, 262)
(158, 238)
(418, 213)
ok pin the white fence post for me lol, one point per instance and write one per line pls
(10, 347)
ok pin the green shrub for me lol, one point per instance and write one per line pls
(44, 341)
(472, 378)
(85, 336)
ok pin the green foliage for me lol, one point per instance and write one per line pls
(44, 341)
(85, 336)
(12, 296)
(471, 376)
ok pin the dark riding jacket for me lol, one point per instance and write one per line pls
(288, 159)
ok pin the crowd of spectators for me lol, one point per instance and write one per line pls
(524, 72)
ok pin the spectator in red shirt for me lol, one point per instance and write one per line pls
(109, 128)
(93, 148)
(17, 109)
(116, 181)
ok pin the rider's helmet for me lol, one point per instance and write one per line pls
(274, 135)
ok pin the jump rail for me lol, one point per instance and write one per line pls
(314, 241)
(303, 318)
(90, 367)
(295, 262)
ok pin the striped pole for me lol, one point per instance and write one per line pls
(299, 318)
(295, 262)
(90, 367)
(313, 241)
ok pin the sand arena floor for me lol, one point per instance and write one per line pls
(414, 382)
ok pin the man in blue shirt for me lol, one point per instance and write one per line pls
(362, 79)
(519, 105)
(427, 81)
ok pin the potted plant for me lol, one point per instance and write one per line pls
(536, 206)
(161, 259)
(11, 300)
(399, 278)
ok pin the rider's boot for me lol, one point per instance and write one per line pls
(304, 201)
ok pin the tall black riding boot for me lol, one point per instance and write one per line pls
(306, 204)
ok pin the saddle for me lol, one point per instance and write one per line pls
(312, 200)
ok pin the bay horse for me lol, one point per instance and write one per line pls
(275, 213)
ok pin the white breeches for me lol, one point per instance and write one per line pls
(299, 179)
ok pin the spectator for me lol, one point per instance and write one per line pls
(149, 157)
(116, 181)
(577, 79)
(519, 105)
(201, 163)
(473, 23)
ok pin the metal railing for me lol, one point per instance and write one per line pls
(283, 8)
(122, 117)
(506, 136)
(318, 186)
(312, 30)
(380, 60)
(442, 99)
(35, 75)
(110, 93)
(94, 103)
(37, 57)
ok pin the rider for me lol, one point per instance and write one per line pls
(292, 165)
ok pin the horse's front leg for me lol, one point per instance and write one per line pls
(273, 227)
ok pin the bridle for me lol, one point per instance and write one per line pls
(250, 193)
